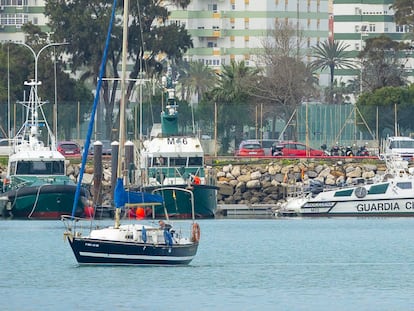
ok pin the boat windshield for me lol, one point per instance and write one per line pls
(176, 161)
(37, 168)
(406, 144)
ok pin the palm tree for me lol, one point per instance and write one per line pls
(197, 79)
(232, 95)
(331, 54)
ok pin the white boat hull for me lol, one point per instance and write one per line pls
(393, 198)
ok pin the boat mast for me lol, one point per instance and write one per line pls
(122, 104)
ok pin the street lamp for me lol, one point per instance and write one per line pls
(36, 58)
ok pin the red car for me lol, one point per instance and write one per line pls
(250, 148)
(69, 148)
(295, 149)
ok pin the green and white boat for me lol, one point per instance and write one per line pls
(36, 185)
(170, 160)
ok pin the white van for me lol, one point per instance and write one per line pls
(399, 145)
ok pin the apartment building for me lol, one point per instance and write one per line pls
(15, 13)
(225, 30)
(357, 20)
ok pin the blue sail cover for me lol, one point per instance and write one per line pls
(137, 197)
(122, 197)
(119, 193)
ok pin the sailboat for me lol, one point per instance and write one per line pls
(129, 244)
(171, 159)
(36, 186)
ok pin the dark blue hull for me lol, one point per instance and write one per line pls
(101, 252)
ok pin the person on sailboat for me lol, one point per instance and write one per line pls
(163, 225)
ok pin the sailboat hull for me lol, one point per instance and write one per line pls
(41, 202)
(104, 252)
(178, 203)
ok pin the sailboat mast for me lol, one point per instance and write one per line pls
(122, 105)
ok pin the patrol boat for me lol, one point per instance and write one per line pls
(391, 195)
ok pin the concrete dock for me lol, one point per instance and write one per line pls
(245, 211)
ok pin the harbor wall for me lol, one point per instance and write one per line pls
(271, 182)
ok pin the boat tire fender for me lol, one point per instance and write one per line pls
(195, 232)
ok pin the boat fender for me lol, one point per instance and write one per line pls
(195, 232)
(168, 237)
(144, 234)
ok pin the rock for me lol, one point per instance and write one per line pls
(236, 171)
(256, 175)
(253, 184)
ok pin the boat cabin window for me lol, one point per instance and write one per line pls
(178, 162)
(404, 185)
(38, 168)
(195, 161)
(403, 144)
(160, 161)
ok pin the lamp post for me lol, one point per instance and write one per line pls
(36, 58)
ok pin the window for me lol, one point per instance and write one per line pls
(178, 161)
(399, 28)
(404, 185)
(195, 161)
(212, 7)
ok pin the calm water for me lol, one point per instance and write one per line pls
(289, 264)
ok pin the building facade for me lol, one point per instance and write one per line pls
(225, 30)
(357, 20)
(15, 13)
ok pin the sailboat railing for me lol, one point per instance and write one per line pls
(178, 189)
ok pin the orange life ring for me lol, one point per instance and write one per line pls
(195, 232)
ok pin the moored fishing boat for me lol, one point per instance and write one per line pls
(36, 186)
(392, 195)
(170, 159)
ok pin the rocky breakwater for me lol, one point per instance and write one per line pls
(72, 170)
(270, 183)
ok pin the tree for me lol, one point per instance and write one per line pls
(404, 12)
(381, 63)
(232, 97)
(331, 55)
(388, 102)
(149, 37)
(197, 78)
(285, 82)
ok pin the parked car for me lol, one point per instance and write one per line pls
(69, 148)
(291, 148)
(267, 145)
(106, 147)
(6, 146)
(249, 148)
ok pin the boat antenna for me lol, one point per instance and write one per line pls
(95, 105)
